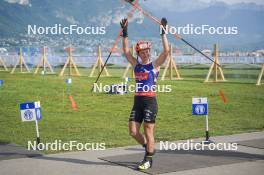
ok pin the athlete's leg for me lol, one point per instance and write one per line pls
(149, 133)
(134, 131)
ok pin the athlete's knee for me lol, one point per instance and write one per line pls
(149, 128)
(149, 132)
(133, 133)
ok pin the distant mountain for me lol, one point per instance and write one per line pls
(248, 17)
(15, 17)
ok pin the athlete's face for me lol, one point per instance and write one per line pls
(144, 55)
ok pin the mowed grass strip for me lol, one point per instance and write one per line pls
(104, 118)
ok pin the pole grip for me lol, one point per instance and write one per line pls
(38, 140)
(207, 136)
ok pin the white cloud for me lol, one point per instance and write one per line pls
(103, 19)
(115, 16)
(70, 19)
(138, 17)
(176, 5)
(183, 5)
(259, 2)
(21, 2)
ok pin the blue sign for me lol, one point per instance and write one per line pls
(199, 106)
(30, 111)
(38, 114)
(24, 106)
(68, 81)
(1, 82)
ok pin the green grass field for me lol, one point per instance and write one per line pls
(104, 118)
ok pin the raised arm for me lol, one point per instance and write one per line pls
(163, 56)
(132, 60)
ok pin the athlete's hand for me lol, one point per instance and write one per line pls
(164, 23)
(124, 24)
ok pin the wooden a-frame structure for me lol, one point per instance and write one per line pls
(44, 63)
(2, 64)
(260, 76)
(21, 62)
(215, 69)
(99, 64)
(171, 66)
(70, 64)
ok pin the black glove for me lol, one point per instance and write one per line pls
(124, 24)
(130, 1)
(164, 24)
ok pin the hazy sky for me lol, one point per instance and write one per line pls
(189, 5)
(238, 1)
(226, 1)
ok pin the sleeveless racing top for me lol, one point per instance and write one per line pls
(146, 77)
